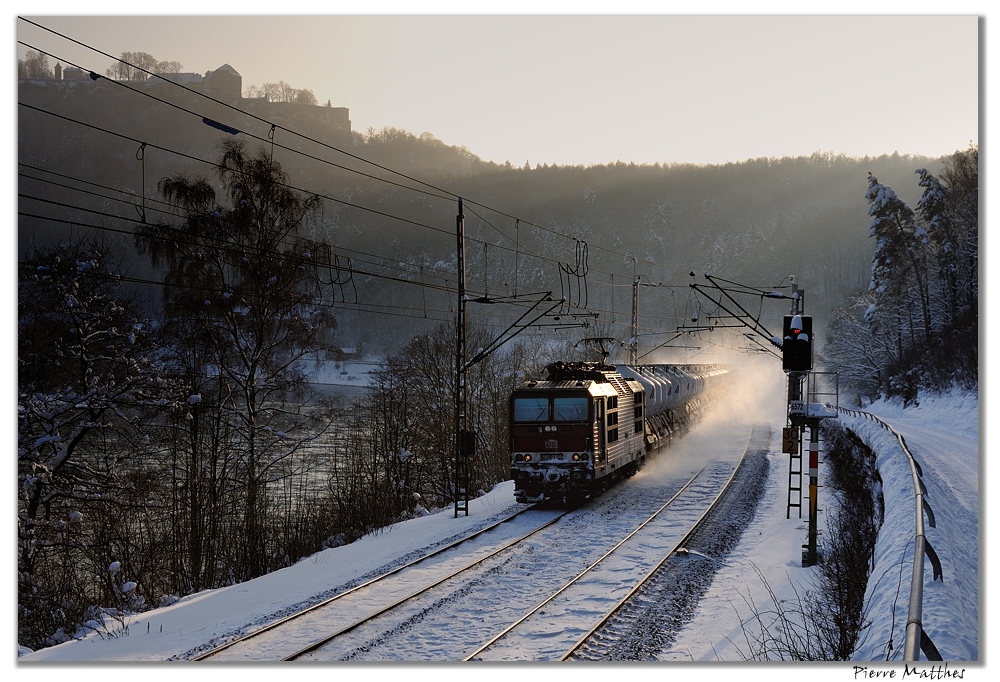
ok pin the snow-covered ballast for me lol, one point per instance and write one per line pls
(587, 425)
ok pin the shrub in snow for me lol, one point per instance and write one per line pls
(168, 599)
(337, 540)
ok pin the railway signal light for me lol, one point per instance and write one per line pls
(796, 343)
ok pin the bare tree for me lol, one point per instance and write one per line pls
(35, 65)
(169, 67)
(133, 66)
(85, 375)
(243, 285)
(280, 92)
(305, 97)
(253, 92)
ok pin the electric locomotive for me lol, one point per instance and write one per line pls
(587, 425)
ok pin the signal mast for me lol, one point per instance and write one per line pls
(797, 362)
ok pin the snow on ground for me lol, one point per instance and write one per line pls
(352, 372)
(943, 435)
(197, 619)
(942, 432)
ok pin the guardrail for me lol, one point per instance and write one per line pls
(915, 634)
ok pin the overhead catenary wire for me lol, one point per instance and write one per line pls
(272, 126)
(445, 287)
(373, 259)
(551, 261)
(441, 193)
(577, 270)
(336, 271)
(375, 308)
(105, 228)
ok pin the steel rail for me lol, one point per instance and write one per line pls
(676, 548)
(278, 623)
(329, 638)
(589, 568)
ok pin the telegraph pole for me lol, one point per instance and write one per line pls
(464, 440)
(633, 344)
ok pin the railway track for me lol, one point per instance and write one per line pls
(591, 598)
(651, 619)
(439, 608)
(272, 641)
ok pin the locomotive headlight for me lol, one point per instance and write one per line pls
(576, 456)
(527, 458)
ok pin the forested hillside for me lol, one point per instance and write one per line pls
(389, 204)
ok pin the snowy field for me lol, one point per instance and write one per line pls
(942, 432)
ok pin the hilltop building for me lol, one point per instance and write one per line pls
(225, 84)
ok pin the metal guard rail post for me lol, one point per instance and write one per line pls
(916, 638)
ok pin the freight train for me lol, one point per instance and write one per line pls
(587, 425)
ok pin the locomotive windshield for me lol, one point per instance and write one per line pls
(531, 409)
(543, 409)
(569, 409)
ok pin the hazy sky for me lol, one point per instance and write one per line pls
(589, 89)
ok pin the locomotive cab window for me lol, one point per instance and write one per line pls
(570, 409)
(612, 419)
(531, 409)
